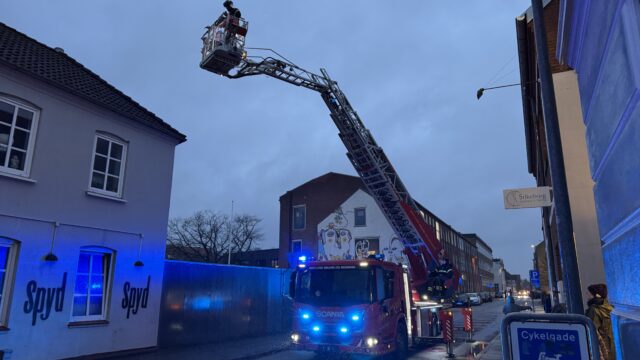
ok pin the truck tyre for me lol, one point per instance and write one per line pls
(402, 343)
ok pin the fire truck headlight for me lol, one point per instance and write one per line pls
(371, 342)
(295, 337)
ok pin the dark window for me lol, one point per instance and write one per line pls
(296, 247)
(360, 215)
(299, 217)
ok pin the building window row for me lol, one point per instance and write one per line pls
(92, 283)
(18, 128)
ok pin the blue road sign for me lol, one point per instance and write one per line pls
(534, 278)
(549, 341)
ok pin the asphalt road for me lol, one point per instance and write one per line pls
(486, 318)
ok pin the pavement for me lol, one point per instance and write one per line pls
(485, 343)
(244, 349)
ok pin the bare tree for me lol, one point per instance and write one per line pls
(208, 237)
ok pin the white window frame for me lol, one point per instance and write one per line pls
(110, 139)
(365, 216)
(32, 137)
(293, 217)
(106, 294)
(9, 278)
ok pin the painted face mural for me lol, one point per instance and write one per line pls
(336, 244)
(394, 252)
(362, 248)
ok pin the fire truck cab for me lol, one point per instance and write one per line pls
(359, 307)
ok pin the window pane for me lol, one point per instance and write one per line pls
(112, 184)
(297, 246)
(20, 139)
(102, 146)
(298, 217)
(95, 305)
(114, 167)
(100, 163)
(5, 130)
(96, 284)
(4, 255)
(79, 305)
(97, 267)
(82, 281)
(97, 181)
(83, 264)
(116, 151)
(3, 154)
(6, 112)
(24, 119)
(360, 217)
(16, 160)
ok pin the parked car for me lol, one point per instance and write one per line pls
(475, 299)
(461, 300)
(486, 296)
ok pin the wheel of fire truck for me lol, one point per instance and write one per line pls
(401, 342)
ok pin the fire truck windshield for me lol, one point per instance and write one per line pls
(335, 287)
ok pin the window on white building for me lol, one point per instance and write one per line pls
(107, 166)
(18, 124)
(299, 217)
(360, 217)
(8, 256)
(93, 282)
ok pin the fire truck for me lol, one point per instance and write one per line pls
(367, 306)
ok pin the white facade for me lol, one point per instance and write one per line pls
(341, 237)
(91, 297)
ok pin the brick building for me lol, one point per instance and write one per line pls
(334, 217)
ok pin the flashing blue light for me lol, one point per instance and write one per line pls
(344, 329)
(355, 317)
(302, 258)
(306, 315)
(316, 328)
(302, 266)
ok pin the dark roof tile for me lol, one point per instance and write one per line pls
(53, 66)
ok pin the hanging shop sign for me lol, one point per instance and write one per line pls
(527, 197)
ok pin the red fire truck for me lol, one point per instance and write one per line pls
(366, 306)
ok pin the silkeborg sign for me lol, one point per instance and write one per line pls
(527, 197)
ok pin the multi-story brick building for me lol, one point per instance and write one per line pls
(485, 262)
(334, 217)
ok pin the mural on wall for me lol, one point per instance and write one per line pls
(394, 252)
(366, 246)
(42, 300)
(335, 241)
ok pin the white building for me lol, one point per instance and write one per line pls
(85, 180)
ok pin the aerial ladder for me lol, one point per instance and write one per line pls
(433, 276)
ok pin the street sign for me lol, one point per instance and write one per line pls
(548, 337)
(527, 197)
(534, 278)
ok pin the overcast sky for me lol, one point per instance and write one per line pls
(410, 68)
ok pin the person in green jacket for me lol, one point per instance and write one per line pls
(599, 312)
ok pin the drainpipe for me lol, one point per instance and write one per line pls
(566, 241)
